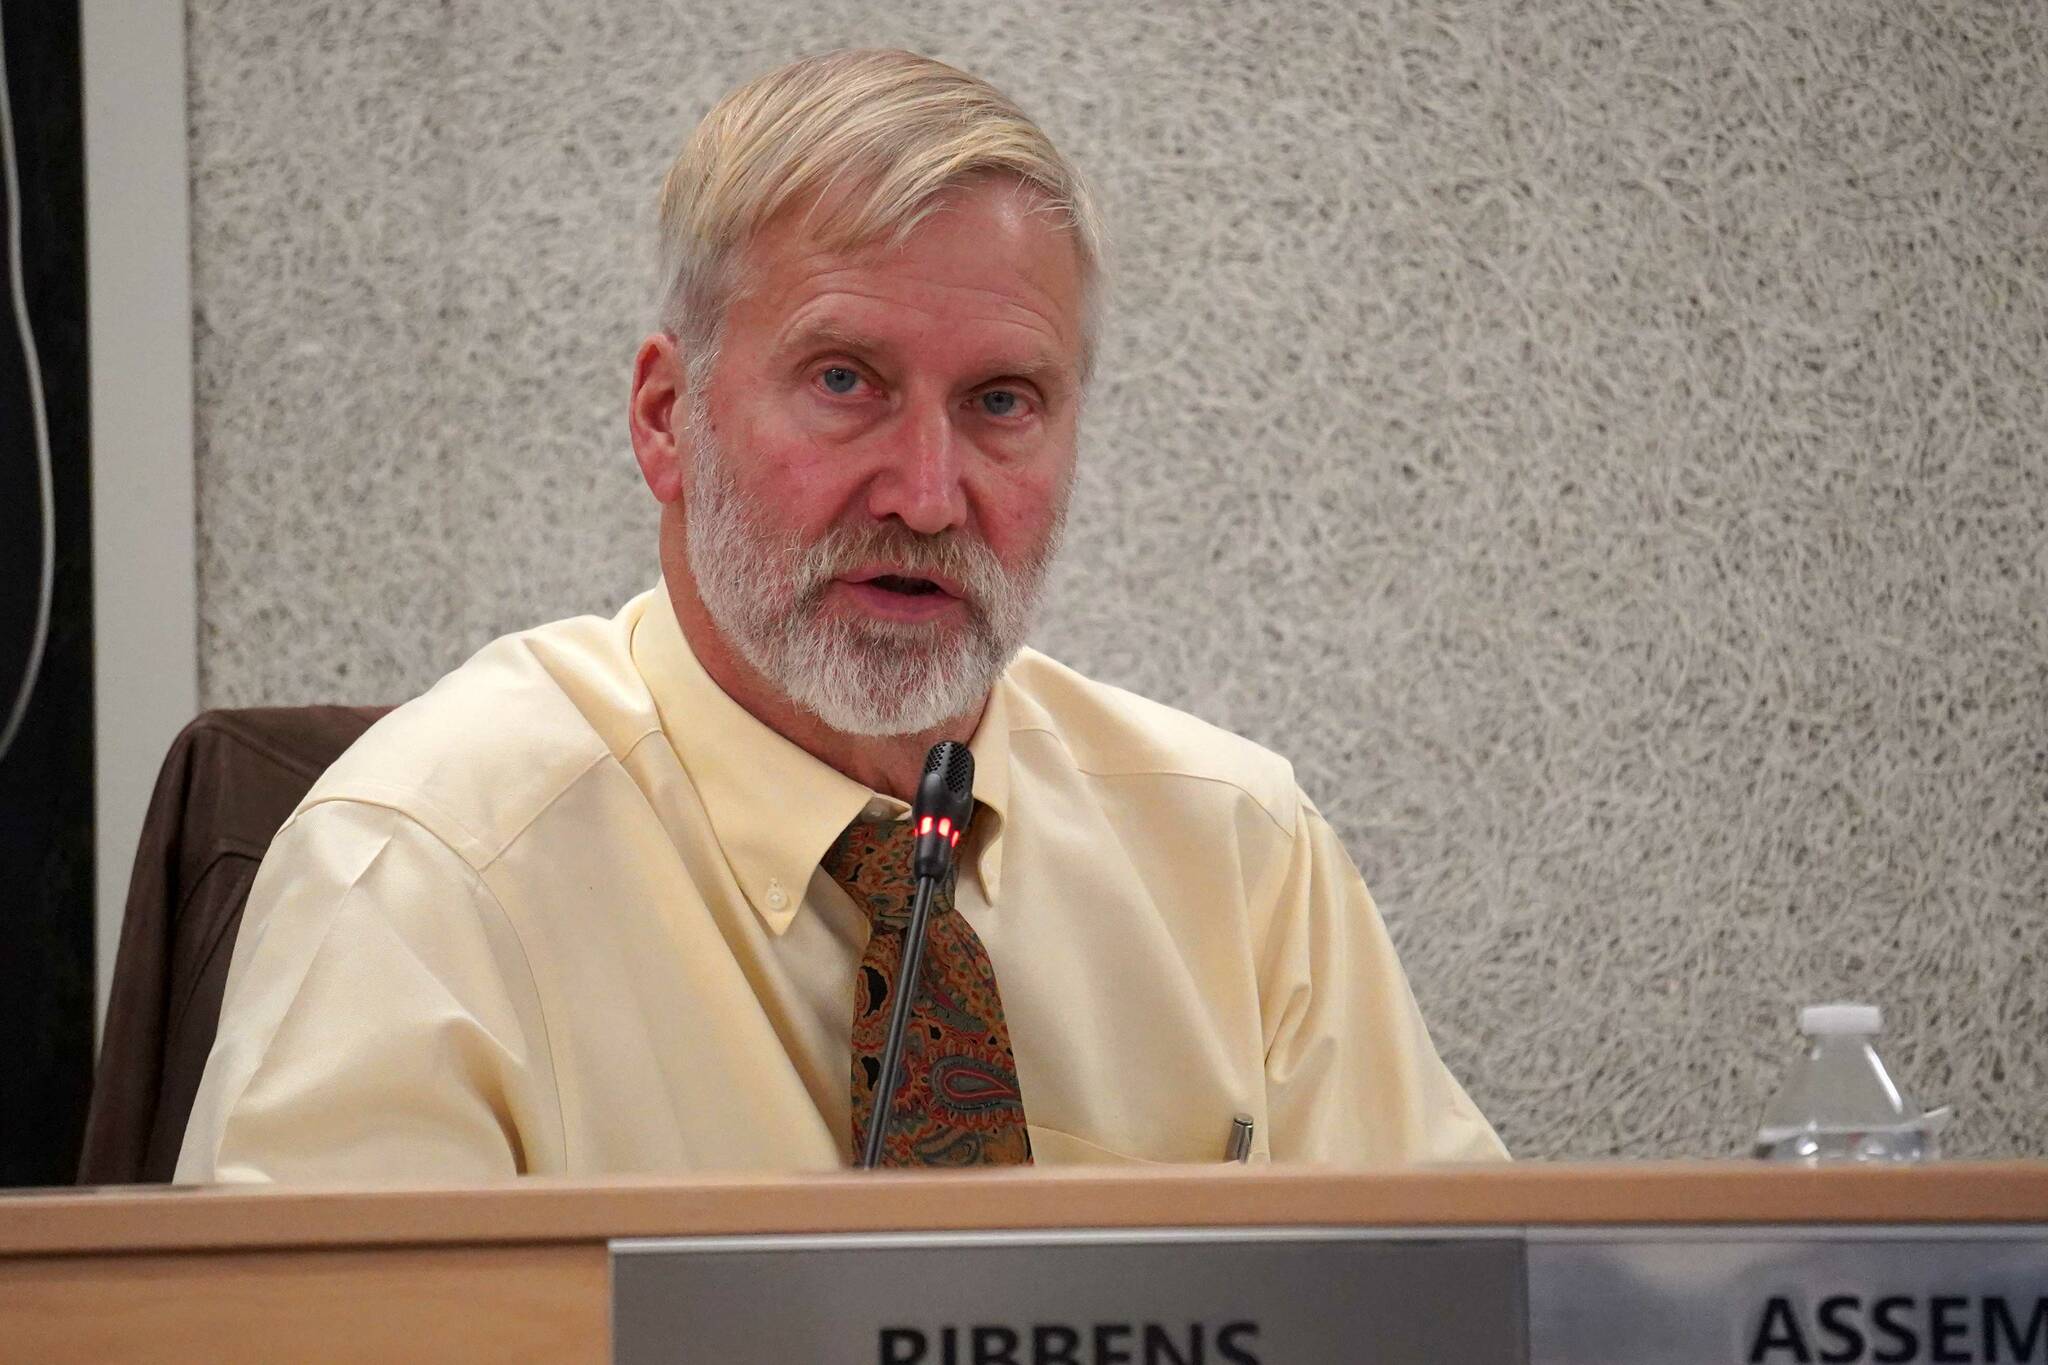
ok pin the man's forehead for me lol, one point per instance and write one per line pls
(985, 265)
(838, 221)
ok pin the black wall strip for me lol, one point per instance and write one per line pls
(46, 780)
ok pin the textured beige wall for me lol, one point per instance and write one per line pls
(1602, 444)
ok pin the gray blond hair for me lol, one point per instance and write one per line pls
(883, 134)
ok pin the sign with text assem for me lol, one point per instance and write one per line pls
(1789, 1296)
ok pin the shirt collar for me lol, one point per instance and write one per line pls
(774, 809)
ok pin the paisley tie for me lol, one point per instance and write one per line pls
(957, 1103)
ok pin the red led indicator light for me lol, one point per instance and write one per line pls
(926, 827)
(945, 824)
(956, 838)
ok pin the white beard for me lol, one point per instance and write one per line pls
(860, 677)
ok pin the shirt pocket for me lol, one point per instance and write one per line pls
(1051, 1147)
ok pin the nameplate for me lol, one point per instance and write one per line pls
(1196, 1297)
(1854, 1295)
(1798, 1296)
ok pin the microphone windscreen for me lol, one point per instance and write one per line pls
(954, 762)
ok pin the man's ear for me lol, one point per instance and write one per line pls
(655, 416)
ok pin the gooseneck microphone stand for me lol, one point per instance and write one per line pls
(944, 804)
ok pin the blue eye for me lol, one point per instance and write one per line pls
(999, 402)
(838, 379)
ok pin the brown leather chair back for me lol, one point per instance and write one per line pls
(230, 779)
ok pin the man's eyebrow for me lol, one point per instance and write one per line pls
(1041, 367)
(829, 333)
(1044, 369)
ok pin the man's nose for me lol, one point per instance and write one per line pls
(922, 467)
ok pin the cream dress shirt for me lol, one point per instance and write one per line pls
(564, 913)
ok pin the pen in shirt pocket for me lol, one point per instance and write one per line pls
(1240, 1147)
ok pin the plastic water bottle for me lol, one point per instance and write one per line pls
(1839, 1104)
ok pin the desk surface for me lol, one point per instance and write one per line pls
(543, 1210)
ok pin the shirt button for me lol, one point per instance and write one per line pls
(778, 899)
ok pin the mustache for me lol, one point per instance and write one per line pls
(961, 556)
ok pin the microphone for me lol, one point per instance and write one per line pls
(943, 806)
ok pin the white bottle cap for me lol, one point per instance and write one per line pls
(1828, 1019)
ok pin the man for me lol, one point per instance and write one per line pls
(627, 895)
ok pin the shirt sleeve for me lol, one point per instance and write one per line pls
(1351, 1074)
(379, 1020)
